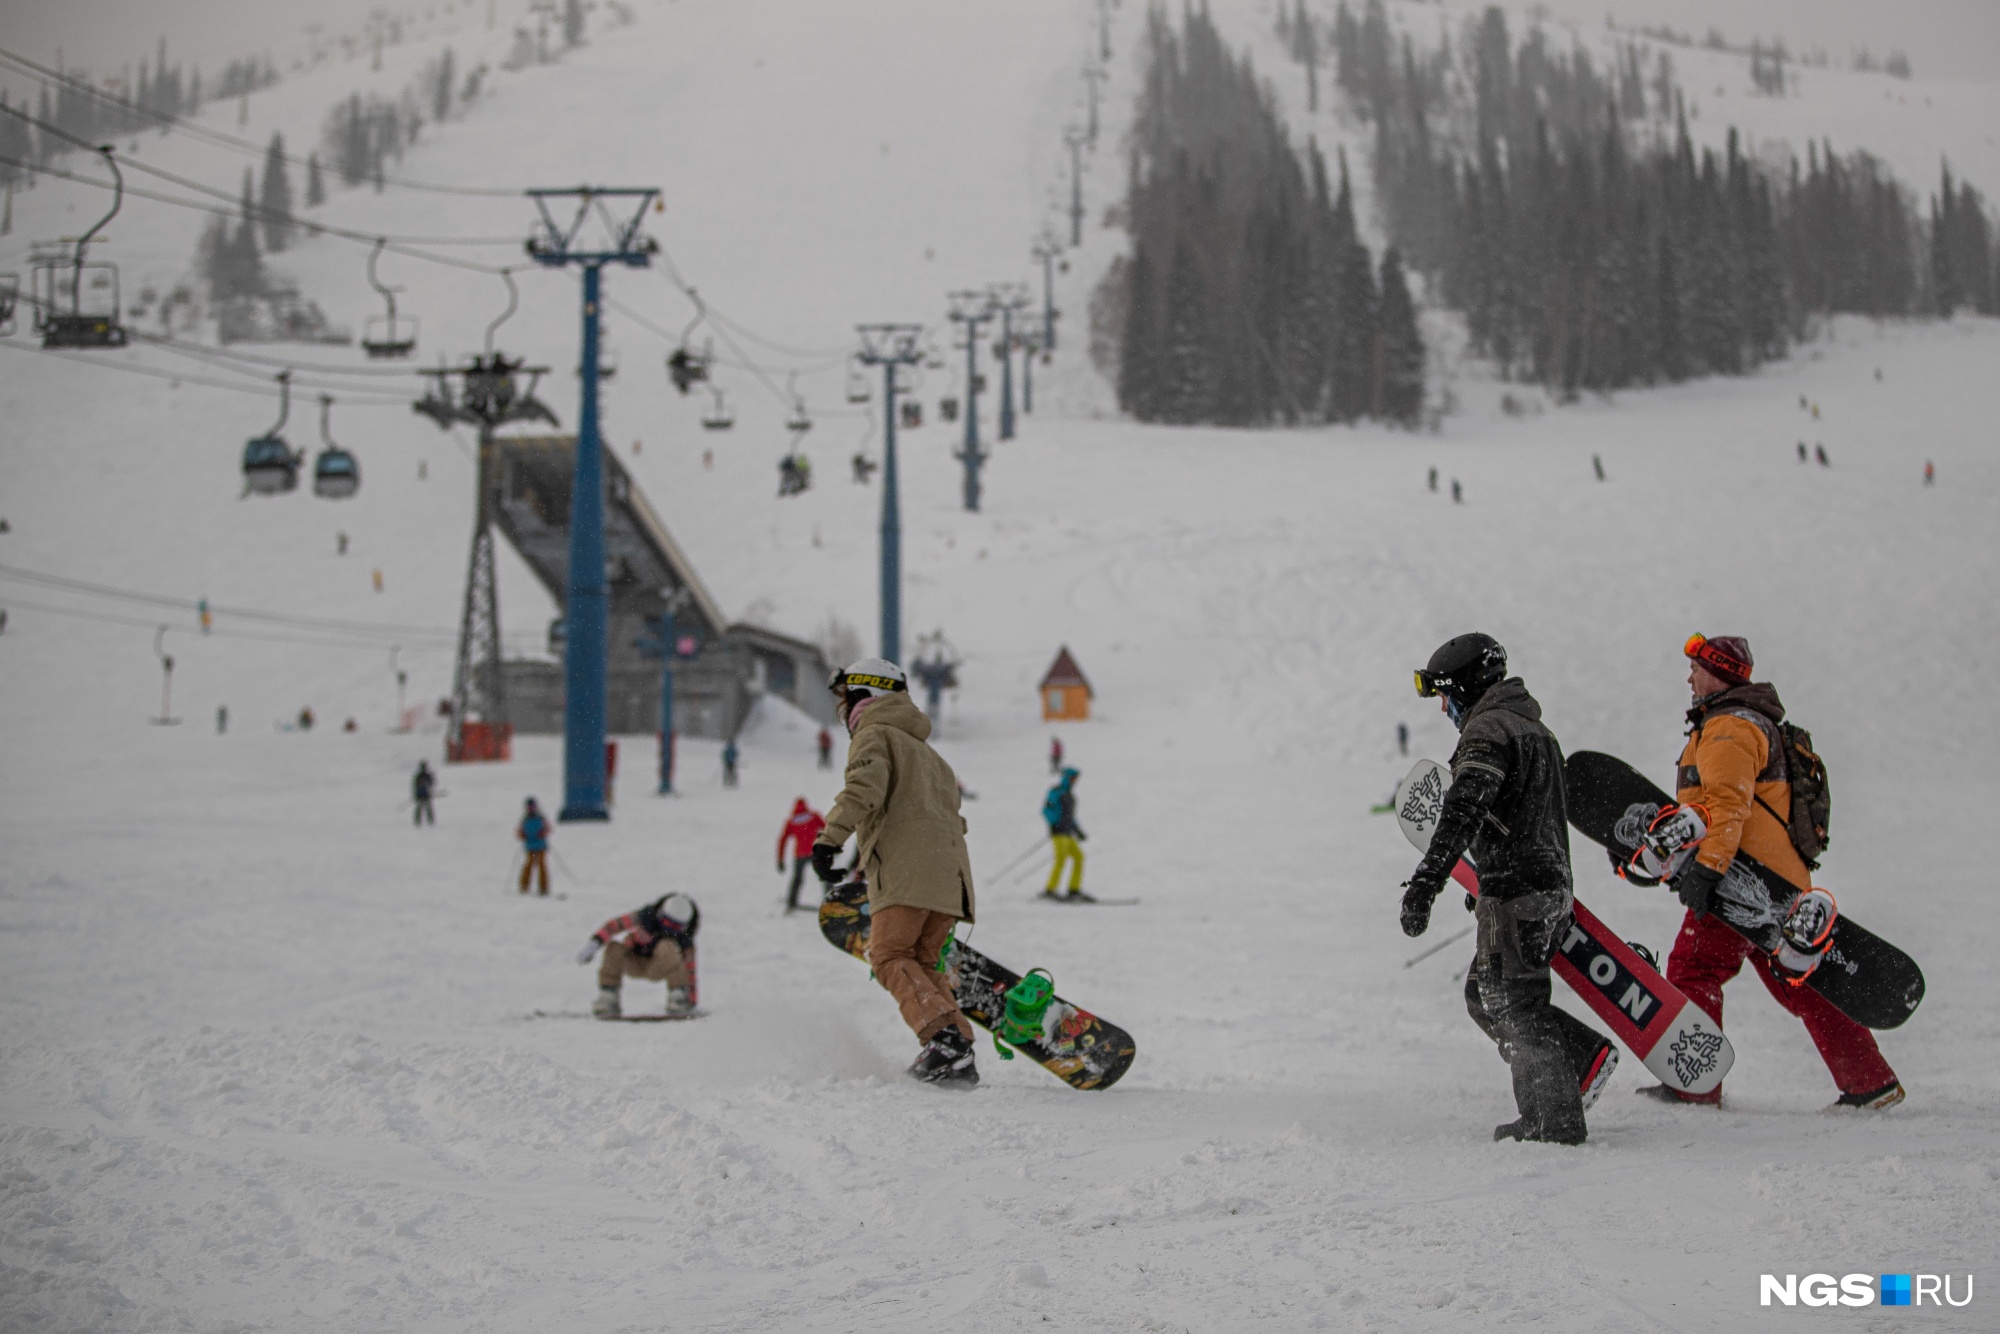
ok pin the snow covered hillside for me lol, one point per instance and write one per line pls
(269, 1057)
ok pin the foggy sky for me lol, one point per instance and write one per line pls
(1957, 39)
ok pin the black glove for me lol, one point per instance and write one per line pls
(1419, 892)
(1471, 902)
(1696, 886)
(823, 867)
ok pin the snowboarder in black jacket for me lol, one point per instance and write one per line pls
(1505, 807)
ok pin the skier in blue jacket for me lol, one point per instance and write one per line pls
(1059, 809)
(534, 835)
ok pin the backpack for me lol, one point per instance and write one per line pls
(1812, 800)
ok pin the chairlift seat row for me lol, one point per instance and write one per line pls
(59, 282)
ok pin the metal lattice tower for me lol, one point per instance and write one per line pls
(890, 346)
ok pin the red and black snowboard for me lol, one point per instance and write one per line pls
(1650, 1015)
(1862, 975)
(1069, 1042)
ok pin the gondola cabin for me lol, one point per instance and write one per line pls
(336, 474)
(270, 467)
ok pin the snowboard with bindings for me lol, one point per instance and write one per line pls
(1655, 1020)
(1069, 1042)
(1862, 975)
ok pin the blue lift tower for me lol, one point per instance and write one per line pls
(890, 346)
(586, 613)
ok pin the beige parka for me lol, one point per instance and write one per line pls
(901, 799)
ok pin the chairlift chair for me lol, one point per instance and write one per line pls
(336, 472)
(391, 336)
(687, 368)
(10, 297)
(718, 418)
(857, 385)
(270, 467)
(59, 282)
(948, 409)
(913, 414)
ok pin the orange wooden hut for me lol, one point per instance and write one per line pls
(1065, 693)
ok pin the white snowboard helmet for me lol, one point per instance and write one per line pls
(869, 678)
(678, 908)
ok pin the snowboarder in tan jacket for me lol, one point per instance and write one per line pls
(900, 800)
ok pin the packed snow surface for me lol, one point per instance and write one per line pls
(270, 1057)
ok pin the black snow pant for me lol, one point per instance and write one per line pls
(423, 812)
(1507, 993)
(799, 865)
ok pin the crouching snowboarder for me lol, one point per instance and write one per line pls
(655, 944)
(1506, 806)
(901, 799)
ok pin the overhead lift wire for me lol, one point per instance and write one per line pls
(331, 625)
(98, 362)
(219, 138)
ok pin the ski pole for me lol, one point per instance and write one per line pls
(1033, 848)
(514, 869)
(574, 879)
(1451, 939)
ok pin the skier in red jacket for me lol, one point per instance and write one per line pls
(799, 831)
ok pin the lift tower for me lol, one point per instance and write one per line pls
(586, 612)
(890, 346)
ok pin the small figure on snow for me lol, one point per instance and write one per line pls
(1819, 456)
(900, 801)
(1402, 738)
(1055, 754)
(1597, 466)
(221, 710)
(825, 749)
(654, 943)
(340, 544)
(1930, 472)
(729, 757)
(422, 784)
(1505, 805)
(1066, 835)
(1733, 766)
(306, 719)
(1434, 481)
(1457, 494)
(799, 832)
(533, 831)
(1802, 451)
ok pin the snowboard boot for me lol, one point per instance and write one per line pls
(1661, 1093)
(606, 1004)
(1529, 1132)
(1805, 937)
(947, 1060)
(1599, 1075)
(1880, 1100)
(678, 1004)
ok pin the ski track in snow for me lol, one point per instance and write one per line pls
(266, 1053)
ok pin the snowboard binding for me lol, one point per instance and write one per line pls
(1670, 840)
(1805, 936)
(1026, 1008)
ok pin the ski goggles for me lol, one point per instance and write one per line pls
(1432, 684)
(1716, 658)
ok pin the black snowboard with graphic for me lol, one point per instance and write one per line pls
(1863, 976)
(1075, 1045)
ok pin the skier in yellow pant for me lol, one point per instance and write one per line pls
(1059, 809)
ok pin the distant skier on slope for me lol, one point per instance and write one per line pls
(1734, 767)
(900, 801)
(533, 831)
(422, 783)
(1055, 754)
(799, 831)
(1505, 805)
(654, 943)
(1065, 835)
(825, 749)
(729, 757)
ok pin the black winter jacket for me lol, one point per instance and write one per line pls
(1506, 800)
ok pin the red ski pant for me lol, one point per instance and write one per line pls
(1706, 954)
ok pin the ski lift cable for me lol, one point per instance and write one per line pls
(98, 363)
(168, 343)
(90, 588)
(221, 632)
(235, 209)
(170, 122)
(671, 272)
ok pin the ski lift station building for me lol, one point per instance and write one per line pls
(730, 663)
(1066, 695)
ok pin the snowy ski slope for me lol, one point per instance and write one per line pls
(266, 1060)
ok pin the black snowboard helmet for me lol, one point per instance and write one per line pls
(1463, 668)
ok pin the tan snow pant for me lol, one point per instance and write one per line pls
(903, 947)
(619, 963)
